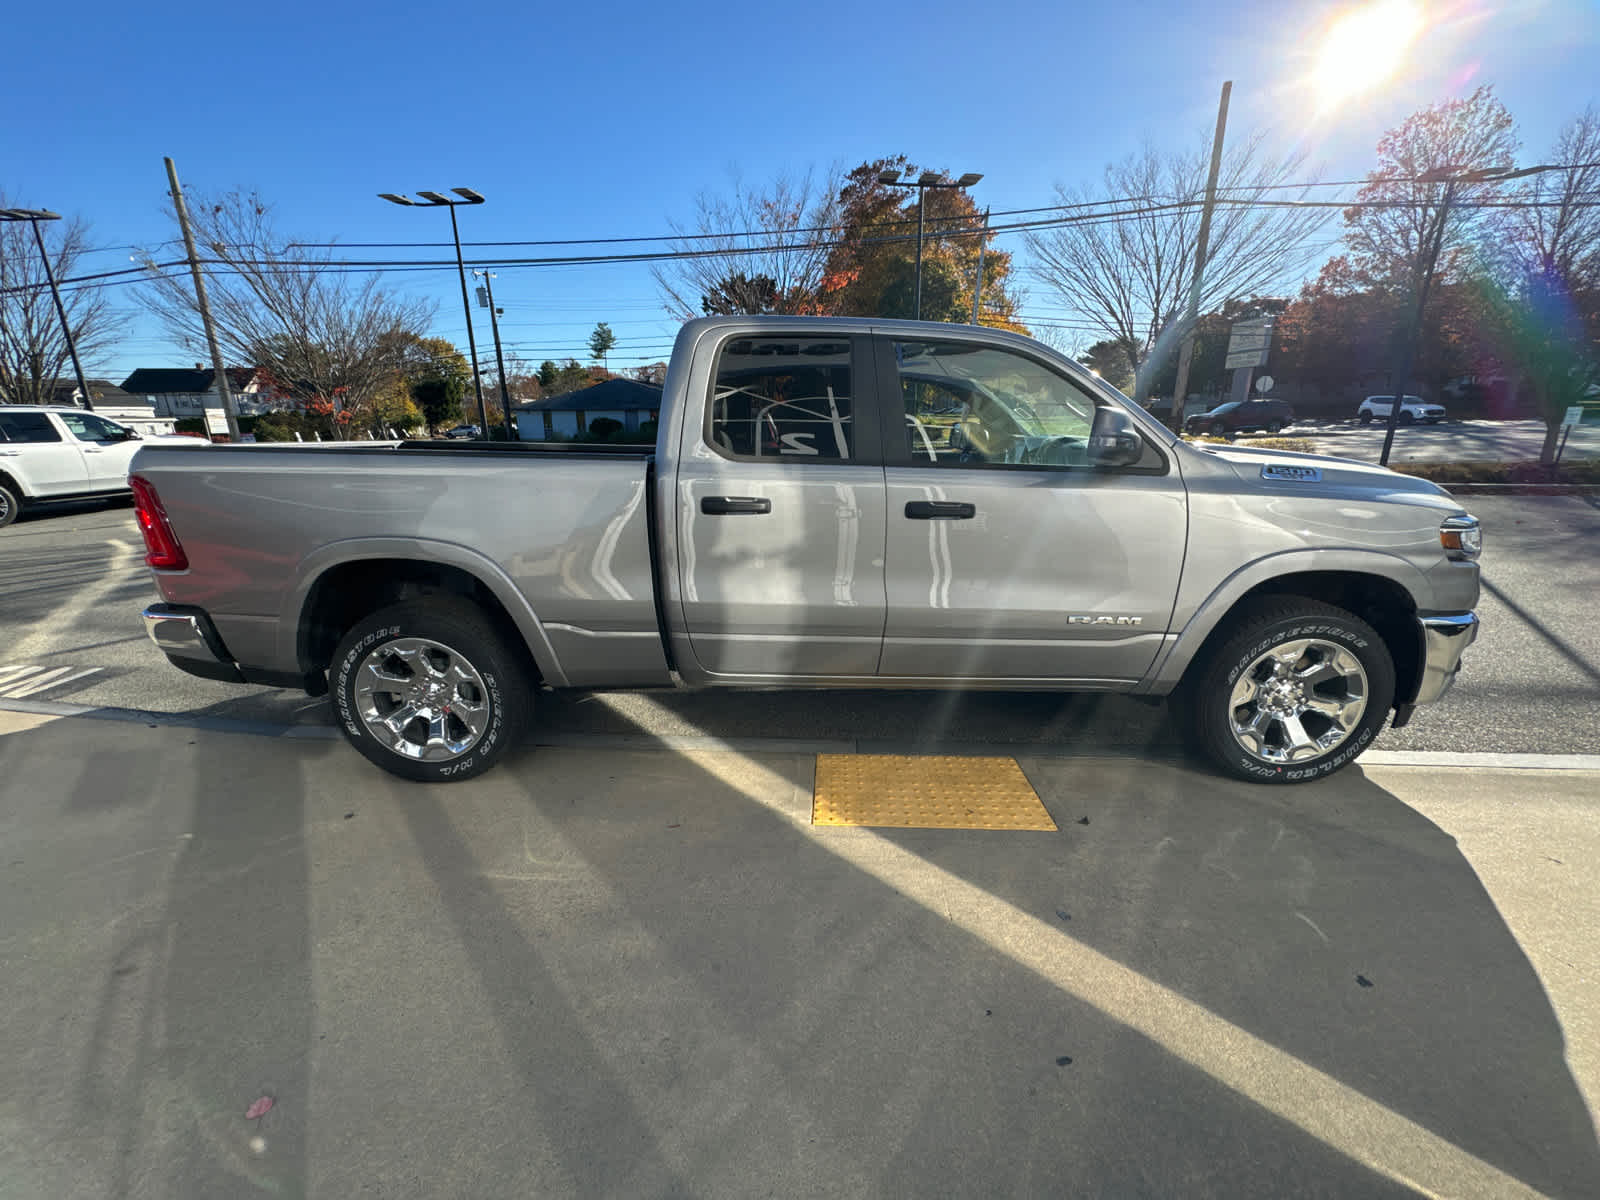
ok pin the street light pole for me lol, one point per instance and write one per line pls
(33, 216)
(436, 200)
(499, 358)
(928, 179)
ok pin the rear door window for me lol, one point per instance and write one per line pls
(785, 399)
(28, 427)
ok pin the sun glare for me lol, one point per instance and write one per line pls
(1363, 47)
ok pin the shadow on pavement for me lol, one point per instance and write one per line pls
(645, 974)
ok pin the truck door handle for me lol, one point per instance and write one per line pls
(940, 510)
(727, 506)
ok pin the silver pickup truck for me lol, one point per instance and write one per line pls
(829, 503)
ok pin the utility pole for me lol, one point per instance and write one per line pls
(217, 364)
(1409, 349)
(977, 284)
(500, 362)
(1192, 313)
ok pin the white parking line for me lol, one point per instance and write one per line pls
(24, 679)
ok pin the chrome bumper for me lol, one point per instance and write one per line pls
(1444, 641)
(185, 633)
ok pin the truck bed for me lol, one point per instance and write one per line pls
(561, 531)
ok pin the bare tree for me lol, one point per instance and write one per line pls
(1124, 262)
(321, 330)
(1559, 228)
(1417, 218)
(33, 346)
(1551, 311)
(753, 251)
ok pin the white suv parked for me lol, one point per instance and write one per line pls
(61, 453)
(1412, 409)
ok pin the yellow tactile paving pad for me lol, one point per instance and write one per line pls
(936, 792)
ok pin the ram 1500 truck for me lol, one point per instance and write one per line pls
(829, 503)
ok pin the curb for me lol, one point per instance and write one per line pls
(1164, 754)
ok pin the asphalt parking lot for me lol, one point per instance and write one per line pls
(645, 973)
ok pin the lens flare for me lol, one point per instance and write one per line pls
(1363, 48)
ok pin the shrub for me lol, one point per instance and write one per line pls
(601, 428)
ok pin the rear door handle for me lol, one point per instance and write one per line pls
(727, 506)
(940, 510)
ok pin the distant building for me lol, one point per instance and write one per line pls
(179, 392)
(625, 401)
(113, 403)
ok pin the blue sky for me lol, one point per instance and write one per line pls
(607, 119)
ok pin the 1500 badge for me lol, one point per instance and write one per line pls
(1088, 620)
(1298, 474)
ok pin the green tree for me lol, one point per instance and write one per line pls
(436, 375)
(601, 341)
(1115, 361)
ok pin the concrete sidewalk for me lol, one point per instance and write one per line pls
(643, 972)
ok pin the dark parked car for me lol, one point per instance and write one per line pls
(1240, 416)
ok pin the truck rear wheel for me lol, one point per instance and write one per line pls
(429, 690)
(1298, 690)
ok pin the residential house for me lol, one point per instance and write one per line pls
(179, 392)
(113, 403)
(622, 400)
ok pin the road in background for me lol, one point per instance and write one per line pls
(1450, 441)
(72, 585)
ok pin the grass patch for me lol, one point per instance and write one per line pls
(1585, 471)
(1297, 445)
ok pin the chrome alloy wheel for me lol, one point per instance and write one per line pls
(1298, 701)
(421, 699)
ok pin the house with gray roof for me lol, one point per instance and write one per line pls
(625, 401)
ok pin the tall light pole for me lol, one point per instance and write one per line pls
(33, 216)
(928, 179)
(436, 200)
(486, 298)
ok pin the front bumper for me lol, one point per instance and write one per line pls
(1444, 640)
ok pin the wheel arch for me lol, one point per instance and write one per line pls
(345, 582)
(1378, 591)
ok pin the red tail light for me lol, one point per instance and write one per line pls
(163, 552)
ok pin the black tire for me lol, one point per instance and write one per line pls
(1365, 418)
(447, 633)
(1406, 418)
(1218, 429)
(10, 504)
(1264, 625)
(1274, 426)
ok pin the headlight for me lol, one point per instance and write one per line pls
(1461, 538)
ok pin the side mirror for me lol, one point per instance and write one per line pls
(1114, 439)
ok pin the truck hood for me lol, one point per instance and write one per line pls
(1286, 467)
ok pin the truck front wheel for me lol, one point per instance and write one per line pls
(1298, 690)
(10, 504)
(429, 690)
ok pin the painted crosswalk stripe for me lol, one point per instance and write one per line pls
(15, 685)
